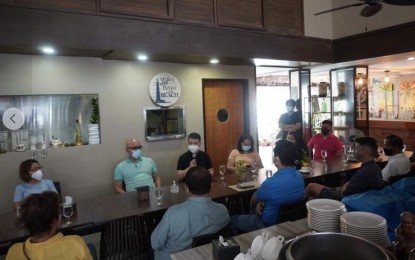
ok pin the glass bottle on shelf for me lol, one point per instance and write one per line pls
(78, 135)
(323, 106)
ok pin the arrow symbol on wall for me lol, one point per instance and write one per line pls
(11, 118)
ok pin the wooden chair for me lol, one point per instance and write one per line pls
(292, 211)
(207, 238)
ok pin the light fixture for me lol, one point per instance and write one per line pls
(387, 79)
(411, 58)
(47, 50)
(360, 79)
(142, 57)
(214, 61)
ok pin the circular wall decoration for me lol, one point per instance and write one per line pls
(222, 115)
(164, 89)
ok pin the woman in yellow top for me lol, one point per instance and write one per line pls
(244, 152)
(40, 215)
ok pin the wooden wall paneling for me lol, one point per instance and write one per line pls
(67, 5)
(149, 8)
(284, 17)
(194, 11)
(240, 13)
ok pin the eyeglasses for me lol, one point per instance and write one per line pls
(36, 168)
(135, 148)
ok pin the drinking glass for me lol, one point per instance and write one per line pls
(159, 195)
(323, 154)
(222, 170)
(254, 168)
(345, 159)
(67, 213)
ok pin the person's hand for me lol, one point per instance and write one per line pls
(193, 163)
(259, 208)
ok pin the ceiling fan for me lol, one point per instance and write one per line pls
(371, 6)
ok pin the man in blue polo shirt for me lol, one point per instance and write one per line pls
(286, 185)
(136, 170)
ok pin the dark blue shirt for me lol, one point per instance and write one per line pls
(367, 177)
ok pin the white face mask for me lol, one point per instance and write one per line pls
(289, 108)
(37, 175)
(193, 148)
(246, 148)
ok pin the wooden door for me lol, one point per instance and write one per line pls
(221, 137)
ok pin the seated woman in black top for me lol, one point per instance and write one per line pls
(301, 148)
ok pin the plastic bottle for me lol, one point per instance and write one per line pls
(174, 188)
(33, 151)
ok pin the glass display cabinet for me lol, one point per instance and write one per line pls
(320, 106)
(349, 101)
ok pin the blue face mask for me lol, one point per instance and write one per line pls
(246, 148)
(136, 154)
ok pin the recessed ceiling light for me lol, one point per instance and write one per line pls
(411, 58)
(214, 61)
(142, 57)
(47, 50)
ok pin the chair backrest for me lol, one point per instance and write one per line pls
(292, 211)
(207, 238)
(396, 178)
(57, 185)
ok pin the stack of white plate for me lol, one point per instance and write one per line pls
(93, 131)
(366, 225)
(324, 214)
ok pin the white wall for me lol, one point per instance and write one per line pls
(348, 21)
(86, 171)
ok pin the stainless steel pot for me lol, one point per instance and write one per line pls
(338, 246)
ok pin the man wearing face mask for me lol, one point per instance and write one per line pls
(398, 164)
(30, 172)
(290, 121)
(136, 170)
(193, 157)
(325, 140)
(367, 177)
(286, 185)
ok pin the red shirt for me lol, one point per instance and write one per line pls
(331, 144)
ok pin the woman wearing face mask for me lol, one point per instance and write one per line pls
(30, 173)
(244, 152)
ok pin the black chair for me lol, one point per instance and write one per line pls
(292, 211)
(396, 178)
(58, 189)
(207, 238)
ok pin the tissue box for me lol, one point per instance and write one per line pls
(220, 252)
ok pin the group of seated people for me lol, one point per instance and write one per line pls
(199, 215)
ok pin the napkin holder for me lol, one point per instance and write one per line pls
(221, 252)
(143, 193)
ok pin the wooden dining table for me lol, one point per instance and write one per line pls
(289, 230)
(93, 214)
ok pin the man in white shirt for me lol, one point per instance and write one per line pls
(398, 163)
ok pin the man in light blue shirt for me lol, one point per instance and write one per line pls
(198, 215)
(136, 170)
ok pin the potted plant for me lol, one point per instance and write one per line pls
(93, 127)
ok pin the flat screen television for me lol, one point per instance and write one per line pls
(164, 123)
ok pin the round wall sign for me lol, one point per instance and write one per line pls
(164, 89)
